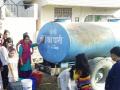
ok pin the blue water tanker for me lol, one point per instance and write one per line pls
(63, 41)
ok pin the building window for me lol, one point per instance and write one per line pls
(76, 19)
(63, 13)
(97, 18)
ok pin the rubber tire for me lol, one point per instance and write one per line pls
(97, 64)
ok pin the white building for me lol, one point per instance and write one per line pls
(50, 10)
(75, 10)
(18, 20)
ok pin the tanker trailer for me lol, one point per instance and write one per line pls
(63, 41)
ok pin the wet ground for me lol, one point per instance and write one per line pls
(50, 83)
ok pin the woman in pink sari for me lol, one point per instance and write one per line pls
(25, 69)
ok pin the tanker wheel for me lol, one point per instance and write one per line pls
(99, 71)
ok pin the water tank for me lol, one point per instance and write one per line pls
(63, 41)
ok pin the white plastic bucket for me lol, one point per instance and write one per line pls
(27, 84)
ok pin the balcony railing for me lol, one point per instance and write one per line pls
(25, 10)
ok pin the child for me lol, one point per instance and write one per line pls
(82, 68)
(6, 34)
(13, 65)
(22, 42)
(4, 60)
